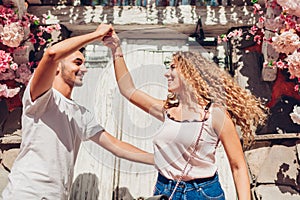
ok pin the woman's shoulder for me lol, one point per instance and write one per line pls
(219, 112)
(217, 107)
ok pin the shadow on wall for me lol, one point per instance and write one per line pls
(122, 193)
(85, 187)
(285, 179)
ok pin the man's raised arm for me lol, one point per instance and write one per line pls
(46, 70)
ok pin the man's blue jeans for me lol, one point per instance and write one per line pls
(200, 189)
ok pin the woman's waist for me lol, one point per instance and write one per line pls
(173, 170)
(161, 178)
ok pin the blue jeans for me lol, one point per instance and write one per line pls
(200, 189)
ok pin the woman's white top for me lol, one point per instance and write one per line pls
(174, 142)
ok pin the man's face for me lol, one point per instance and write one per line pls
(73, 69)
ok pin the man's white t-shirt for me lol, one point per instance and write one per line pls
(52, 129)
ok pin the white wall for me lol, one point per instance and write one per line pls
(100, 93)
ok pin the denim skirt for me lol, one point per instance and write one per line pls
(202, 189)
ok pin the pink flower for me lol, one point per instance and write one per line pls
(8, 14)
(12, 34)
(48, 29)
(261, 22)
(291, 6)
(297, 87)
(219, 40)
(274, 23)
(14, 66)
(297, 27)
(280, 64)
(8, 93)
(39, 34)
(287, 42)
(294, 64)
(23, 74)
(235, 34)
(253, 30)
(256, 8)
(42, 41)
(257, 39)
(33, 40)
(7, 75)
(225, 39)
(57, 27)
(6, 61)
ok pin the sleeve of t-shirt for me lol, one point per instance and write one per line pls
(37, 107)
(92, 126)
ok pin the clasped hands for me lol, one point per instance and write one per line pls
(108, 37)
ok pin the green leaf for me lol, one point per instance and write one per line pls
(270, 64)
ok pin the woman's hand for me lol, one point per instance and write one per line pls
(112, 41)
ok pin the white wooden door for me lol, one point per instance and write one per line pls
(128, 123)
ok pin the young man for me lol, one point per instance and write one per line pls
(54, 125)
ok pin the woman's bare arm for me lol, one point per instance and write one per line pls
(125, 82)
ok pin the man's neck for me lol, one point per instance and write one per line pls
(63, 88)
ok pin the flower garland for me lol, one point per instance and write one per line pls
(7, 65)
(18, 36)
(285, 26)
(278, 27)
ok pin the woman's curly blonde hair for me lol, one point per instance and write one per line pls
(207, 82)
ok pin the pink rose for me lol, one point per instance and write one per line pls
(294, 64)
(7, 75)
(287, 42)
(42, 41)
(291, 6)
(23, 74)
(14, 66)
(8, 93)
(12, 34)
(280, 64)
(6, 61)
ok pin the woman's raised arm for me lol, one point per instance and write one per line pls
(125, 82)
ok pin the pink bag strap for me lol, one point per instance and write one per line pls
(194, 150)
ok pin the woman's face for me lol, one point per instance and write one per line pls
(174, 79)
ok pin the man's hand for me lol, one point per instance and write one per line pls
(104, 30)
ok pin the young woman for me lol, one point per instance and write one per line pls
(203, 101)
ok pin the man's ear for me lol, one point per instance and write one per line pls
(58, 69)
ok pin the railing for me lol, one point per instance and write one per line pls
(137, 2)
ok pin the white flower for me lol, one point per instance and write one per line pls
(8, 93)
(295, 116)
(294, 64)
(291, 6)
(12, 34)
(287, 42)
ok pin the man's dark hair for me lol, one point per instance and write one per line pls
(82, 50)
